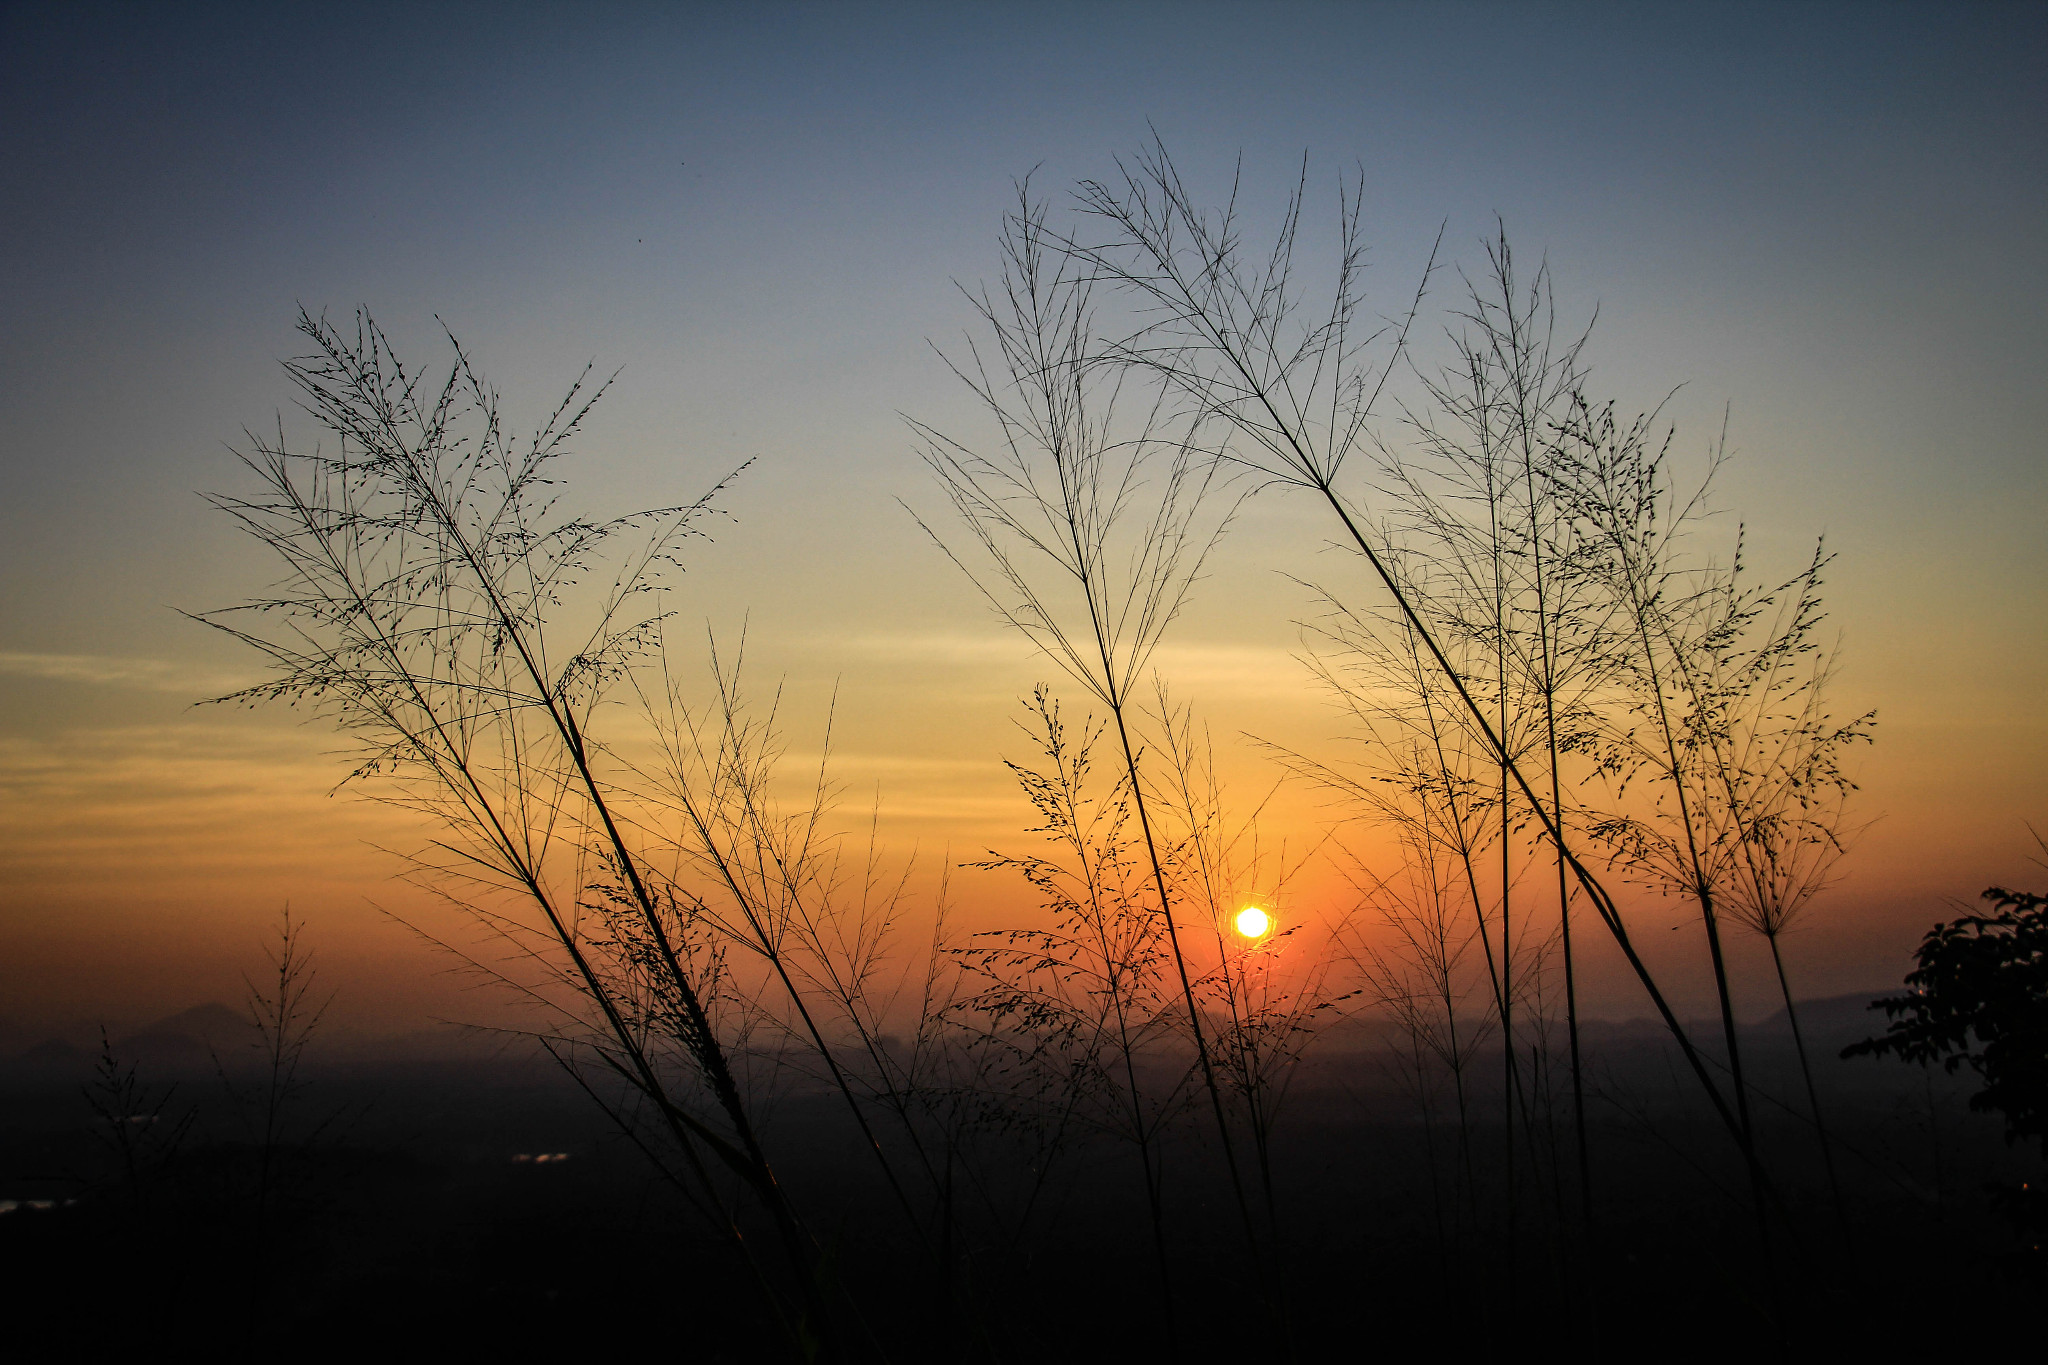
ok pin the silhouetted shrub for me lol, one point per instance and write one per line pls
(1980, 996)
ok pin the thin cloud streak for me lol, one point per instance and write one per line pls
(1205, 669)
(103, 670)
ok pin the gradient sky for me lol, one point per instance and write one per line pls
(1827, 219)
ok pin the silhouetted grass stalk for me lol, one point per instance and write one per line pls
(1268, 1011)
(1054, 497)
(425, 561)
(1218, 334)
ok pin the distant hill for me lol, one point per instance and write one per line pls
(191, 1038)
(13, 1037)
(54, 1053)
(211, 1021)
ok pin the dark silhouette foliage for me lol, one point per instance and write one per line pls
(1980, 996)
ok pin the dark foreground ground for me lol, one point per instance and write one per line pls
(408, 1215)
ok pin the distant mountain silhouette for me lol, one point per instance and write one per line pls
(54, 1052)
(212, 1020)
(191, 1038)
(1837, 1020)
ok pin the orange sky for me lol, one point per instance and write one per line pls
(150, 843)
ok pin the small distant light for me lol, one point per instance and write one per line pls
(1253, 922)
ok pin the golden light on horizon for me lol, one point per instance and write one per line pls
(1253, 922)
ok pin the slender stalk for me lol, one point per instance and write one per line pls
(1610, 915)
(1257, 380)
(1703, 892)
(1187, 988)
(1042, 327)
(1820, 1124)
(417, 616)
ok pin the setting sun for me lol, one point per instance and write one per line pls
(1253, 922)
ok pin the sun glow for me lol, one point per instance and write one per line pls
(1253, 922)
